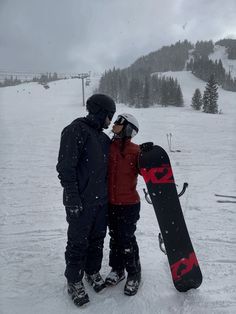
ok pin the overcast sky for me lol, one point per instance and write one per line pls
(94, 35)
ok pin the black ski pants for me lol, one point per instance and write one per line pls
(85, 238)
(124, 251)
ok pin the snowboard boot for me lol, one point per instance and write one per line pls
(132, 284)
(77, 292)
(96, 281)
(114, 277)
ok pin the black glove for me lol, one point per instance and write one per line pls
(71, 195)
(74, 211)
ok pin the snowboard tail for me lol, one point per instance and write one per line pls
(157, 172)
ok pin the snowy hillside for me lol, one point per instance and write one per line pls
(228, 64)
(189, 83)
(32, 218)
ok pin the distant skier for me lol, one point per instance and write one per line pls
(82, 167)
(124, 205)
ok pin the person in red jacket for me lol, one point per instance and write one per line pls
(124, 205)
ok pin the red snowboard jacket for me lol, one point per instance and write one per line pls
(123, 173)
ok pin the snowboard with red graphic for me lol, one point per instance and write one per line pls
(157, 172)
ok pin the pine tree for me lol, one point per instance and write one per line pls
(197, 100)
(55, 76)
(146, 93)
(135, 92)
(179, 97)
(210, 96)
(172, 91)
(164, 93)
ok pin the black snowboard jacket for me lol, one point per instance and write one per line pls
(83, 163)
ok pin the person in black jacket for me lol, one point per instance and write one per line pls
(82, 167)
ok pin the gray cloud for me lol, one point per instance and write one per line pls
(83, 35)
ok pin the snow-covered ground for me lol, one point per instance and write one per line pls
(221, 53)
(32, 218)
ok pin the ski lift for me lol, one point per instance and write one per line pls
(87, 82)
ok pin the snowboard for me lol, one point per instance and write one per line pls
(155, 167)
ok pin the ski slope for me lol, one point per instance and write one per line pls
(220, 52)
(32, 218)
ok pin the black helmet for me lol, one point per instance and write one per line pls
(101, 102)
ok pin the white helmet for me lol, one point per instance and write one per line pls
(131, 126)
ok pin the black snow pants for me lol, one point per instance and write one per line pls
(124, 251)
(85, 238)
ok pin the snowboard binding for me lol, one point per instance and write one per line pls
(145, 147)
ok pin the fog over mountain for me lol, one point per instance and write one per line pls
(84, 35)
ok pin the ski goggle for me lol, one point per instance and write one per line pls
(120, 120)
